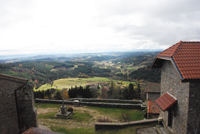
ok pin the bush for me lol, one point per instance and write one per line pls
(126, 117)
(104, 120)
(70, 109)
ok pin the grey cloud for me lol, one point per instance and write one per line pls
(166, 24)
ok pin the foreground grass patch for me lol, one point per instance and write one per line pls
(47, 115)
(47, 105)
(73, 131)
(80, 116)
(127, 130)
(82, 122)
(116, 112)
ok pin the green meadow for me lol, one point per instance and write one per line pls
(84, 118)
(72, 82)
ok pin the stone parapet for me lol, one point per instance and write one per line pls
(108, 100)
(106, 125)
(96, 104)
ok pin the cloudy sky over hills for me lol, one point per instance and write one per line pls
(67, 26)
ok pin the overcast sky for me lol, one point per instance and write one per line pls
(67, 26)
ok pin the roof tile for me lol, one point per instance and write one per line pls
(152, 107)
(166, 101)
(186, 55)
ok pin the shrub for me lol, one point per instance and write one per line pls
(126, 117)
(70, 109)
(104, 120)
(46, 97)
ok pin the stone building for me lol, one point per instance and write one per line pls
(153, 110)
(180, 87)
(17, 112)
(152, 91)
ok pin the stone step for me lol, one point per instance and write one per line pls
(162, 130)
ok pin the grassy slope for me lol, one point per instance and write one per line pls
(72, 82)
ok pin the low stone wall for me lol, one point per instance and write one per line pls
(105, 125)
(96, 104)
(108, 100)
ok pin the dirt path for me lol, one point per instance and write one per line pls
(70, 123)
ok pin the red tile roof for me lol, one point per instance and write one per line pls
(152, 107)
(186, 57)
(166, 101)
(170, 51)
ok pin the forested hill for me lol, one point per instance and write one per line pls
(41, 72)
(145, 58)
(121, 66)
(151, 75)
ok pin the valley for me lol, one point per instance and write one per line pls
(123, 66)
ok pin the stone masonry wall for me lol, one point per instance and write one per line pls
(152, 95)
(8, 110)
(96, 104)
(194, 108)
(107, 100)
(11, 105)
(170, 82)
(28, 117)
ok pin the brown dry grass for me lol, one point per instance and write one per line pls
(70, 123)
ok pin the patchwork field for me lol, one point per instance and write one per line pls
(72, 82)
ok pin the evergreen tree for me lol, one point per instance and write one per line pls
(80, 91)
(48, 93)
(132, 92)
(87, 92)
(138, 90)
(58, 96)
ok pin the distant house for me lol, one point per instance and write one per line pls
(106, 88)
(17, 112)
(180, 87)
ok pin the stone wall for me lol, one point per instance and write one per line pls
(8, 109)
(152, 95)
(170, 82)
(27, 114)
(96, 104)
(107, 125)
(194, 108)
(107, 100)
(13, 104)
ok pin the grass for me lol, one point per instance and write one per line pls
(80, 116)
(127, 130)
(84, 117)
(47, 105)
(73, 131)
(47, 115)
(77, 116)
(116, 112)
(72, 82)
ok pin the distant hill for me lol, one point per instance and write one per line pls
(46, 68)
